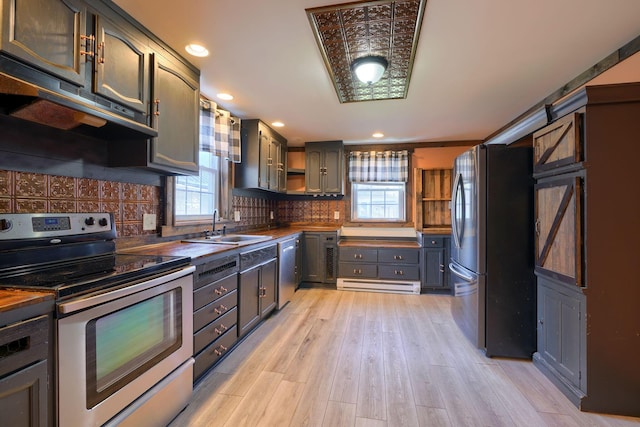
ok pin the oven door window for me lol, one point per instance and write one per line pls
(123, 344)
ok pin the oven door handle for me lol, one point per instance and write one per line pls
(82, 303)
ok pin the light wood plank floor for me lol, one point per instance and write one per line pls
(335, 358)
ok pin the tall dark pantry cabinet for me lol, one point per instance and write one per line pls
(587, 201)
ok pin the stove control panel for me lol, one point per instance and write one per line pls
(43, 225)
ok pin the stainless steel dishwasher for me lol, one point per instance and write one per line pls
(286, 271)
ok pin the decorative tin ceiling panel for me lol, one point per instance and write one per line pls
(385, 28)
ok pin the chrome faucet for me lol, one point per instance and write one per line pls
(213, 230)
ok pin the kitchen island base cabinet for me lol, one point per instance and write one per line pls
(257, 287)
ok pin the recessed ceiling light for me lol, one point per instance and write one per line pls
(378, 135)
(225, 96)
(277, 124)
(197, 50)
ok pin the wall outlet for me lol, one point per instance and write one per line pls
(149, 221)
(336, 214)
(270, 214)
(236, 216)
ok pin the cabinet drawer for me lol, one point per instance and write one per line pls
(23, 343)
(256, 257)
(358, 254)
(354, 270)
(212, 311)
(432, 242)
(396, 272)
(213, 291)
(215, 329)
(214, 352)
(399, 256)
(215, 269)
(558, 144)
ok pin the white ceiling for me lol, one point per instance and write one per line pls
(479, 64)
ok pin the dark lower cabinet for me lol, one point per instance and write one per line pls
(23, 397)
(320, 257)
(26, 371)
(435, 257)
(215, 312)
(257, 287)
(561, 332)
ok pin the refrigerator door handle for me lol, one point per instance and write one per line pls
(460, 273)
(457, 192)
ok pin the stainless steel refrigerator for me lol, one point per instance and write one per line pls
(492, 249)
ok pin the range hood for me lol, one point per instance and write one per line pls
(27, 101)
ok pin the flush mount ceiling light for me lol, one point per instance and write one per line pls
(197, 50)
(277, 124)
(225, 96)
(369, 69)
(381, 28)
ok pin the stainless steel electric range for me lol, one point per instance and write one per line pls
(123, 322)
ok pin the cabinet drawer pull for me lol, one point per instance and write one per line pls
(221, 290)
(399, 272)
(222, 329)
(397, 257)
(221, 309)
(357, 256)
(220, 350)
(357, 271)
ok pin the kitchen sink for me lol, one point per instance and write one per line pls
(230, 239)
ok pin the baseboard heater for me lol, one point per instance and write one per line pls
(389, 286)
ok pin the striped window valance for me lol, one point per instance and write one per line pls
(219, 132)
(379, 166)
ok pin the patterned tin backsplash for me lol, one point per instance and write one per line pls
(312, 211)
(255, 212)
(22, 192)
